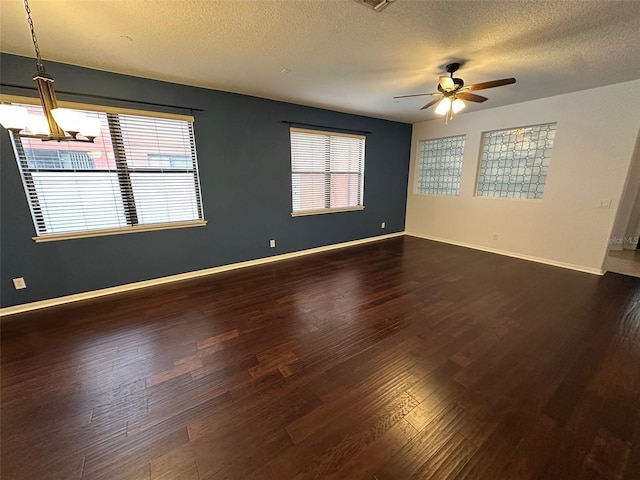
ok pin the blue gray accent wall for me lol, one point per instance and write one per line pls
(244, 163)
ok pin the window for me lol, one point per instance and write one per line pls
(327, 171)
(139, 174)
(48, 158)
(514, 162)
(440, 166)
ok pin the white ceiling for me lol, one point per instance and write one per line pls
(341, 54)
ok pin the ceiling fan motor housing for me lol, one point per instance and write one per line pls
(459, 83)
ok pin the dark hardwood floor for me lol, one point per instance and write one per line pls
(400, 359)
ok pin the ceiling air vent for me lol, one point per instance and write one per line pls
(377, 5)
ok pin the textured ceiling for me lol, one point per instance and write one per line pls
(340, 54)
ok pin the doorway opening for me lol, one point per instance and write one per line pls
(624, 255)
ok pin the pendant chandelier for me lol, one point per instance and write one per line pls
(59, 124)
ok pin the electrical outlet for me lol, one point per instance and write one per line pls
(19, 283)
(272, 243)
(383, 225)
(604, 204)
(495, 236)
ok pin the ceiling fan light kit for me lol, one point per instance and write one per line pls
(452, 93)
(59, 124)
(443, 106)
(457, 105)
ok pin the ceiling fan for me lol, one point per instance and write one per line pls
(452, 92)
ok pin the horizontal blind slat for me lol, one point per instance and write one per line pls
(74, 187)
(327, 170)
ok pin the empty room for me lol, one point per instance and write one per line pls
(309, 239)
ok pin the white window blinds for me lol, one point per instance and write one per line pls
(140, 171)
(327, 171)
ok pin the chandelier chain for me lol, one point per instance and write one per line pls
(39, 63)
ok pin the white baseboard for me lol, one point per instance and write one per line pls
(570, 266)
(26, 307)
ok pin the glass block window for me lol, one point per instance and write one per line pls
(514, 162)
(440, 166)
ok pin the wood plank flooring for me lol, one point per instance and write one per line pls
(399, 359)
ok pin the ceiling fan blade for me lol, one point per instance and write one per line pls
(492, 84)
(472, 97)
(447, 83)
(417, 95)
(431, 103)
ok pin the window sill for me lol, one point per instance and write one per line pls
(516, 199)
(304, 213)
(118, 231)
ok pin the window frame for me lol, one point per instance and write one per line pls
(327, 172)
(122, 170)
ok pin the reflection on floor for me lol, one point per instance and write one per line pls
(626, 262)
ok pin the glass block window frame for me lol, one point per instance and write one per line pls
(439, 167)
(514, 162)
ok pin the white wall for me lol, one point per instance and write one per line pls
(594, 143)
